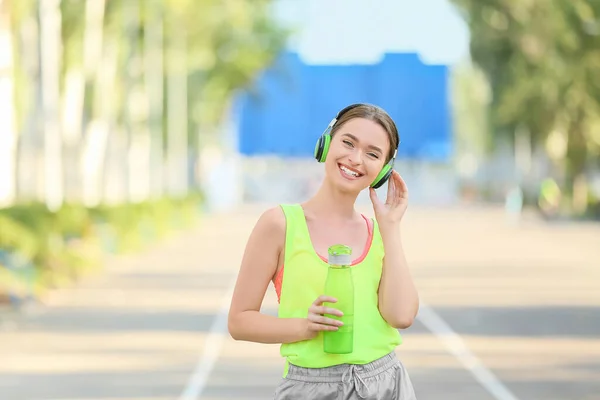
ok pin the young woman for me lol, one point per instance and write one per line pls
(288, 246)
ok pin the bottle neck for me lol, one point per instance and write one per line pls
(339, 259)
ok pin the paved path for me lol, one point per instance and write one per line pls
(524, 301)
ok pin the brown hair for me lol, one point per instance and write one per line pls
(375, 114)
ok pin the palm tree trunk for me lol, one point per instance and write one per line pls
(177, 106)
(8, 136)
(50, 35)
(136, 114)
(29, 146)
(154, 75)
(72, 119)
(79, 81)
(95, 156)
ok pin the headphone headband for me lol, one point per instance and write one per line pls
(348, 108)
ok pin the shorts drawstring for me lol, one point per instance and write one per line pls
(354, 377)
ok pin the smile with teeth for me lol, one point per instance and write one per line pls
(349, 172)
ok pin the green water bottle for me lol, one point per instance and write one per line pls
(339, 285)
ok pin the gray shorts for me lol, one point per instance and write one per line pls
(385, 378)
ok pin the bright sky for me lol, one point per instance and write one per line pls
(361, 31)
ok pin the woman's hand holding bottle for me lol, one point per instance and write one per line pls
(316, 319)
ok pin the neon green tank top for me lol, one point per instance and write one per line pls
(304, 277)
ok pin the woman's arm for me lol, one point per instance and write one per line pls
(398, 297)
(259, 264)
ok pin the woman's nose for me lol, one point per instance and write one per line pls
(355, 157)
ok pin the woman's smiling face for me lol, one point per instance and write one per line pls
(357, 154)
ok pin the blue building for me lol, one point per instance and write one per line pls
(292, 103)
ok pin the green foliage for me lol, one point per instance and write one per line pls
(72, 28)
(470, 102)
(16, 237)
(227, 43)
(542, 60)
(227, 48)
(56, 248)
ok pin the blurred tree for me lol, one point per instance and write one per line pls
(26, 51)
(139, 83)
(8, 137)
(112, 101)
(541, 59)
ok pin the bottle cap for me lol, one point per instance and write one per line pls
(339, 254)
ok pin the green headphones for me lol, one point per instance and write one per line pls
(322, 148)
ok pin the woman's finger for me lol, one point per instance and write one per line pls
(325, 310)
(319, 319)
(401, 186)
(391, 192)
(319, 327)
(324, 299)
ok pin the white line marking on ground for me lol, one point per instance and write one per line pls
(210, 352)
(459, 349)
(432, 321)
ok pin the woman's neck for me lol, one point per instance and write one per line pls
(331, 202)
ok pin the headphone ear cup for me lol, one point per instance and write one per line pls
(322, 148)
(318, 149)
(383, 176)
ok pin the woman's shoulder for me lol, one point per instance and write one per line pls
(268, 232)
(273, 215)
(272, 220)
(276, 217)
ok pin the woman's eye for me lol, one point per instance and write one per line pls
(348, 143)
(373, 155)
